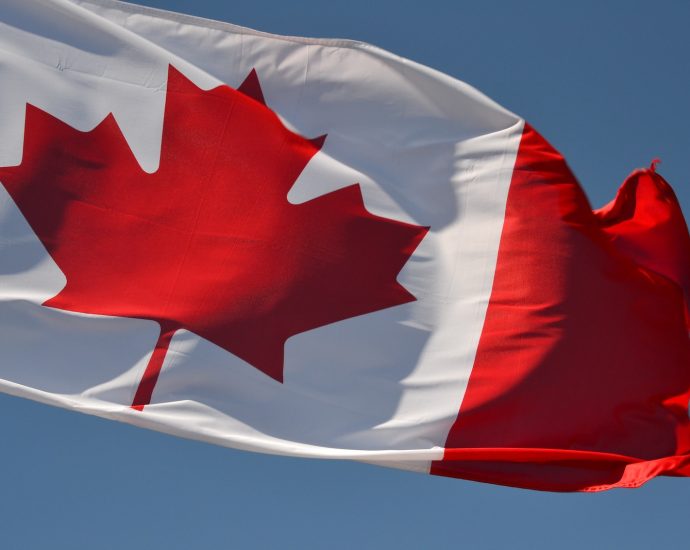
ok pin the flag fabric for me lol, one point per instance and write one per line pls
(317, 248)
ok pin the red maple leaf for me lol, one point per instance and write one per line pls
(209, 242)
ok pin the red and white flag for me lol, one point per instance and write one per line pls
(318, 248)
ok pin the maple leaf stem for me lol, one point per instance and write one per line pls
(144, 392)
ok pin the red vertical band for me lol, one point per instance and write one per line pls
(585, 345)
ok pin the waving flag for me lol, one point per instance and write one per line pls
(318, 248)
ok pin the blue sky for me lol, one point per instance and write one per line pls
(609, 85)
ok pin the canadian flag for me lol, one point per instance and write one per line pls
(320, 249)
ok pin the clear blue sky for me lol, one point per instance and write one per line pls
(608, 83)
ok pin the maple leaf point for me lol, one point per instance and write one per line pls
(209, 242)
